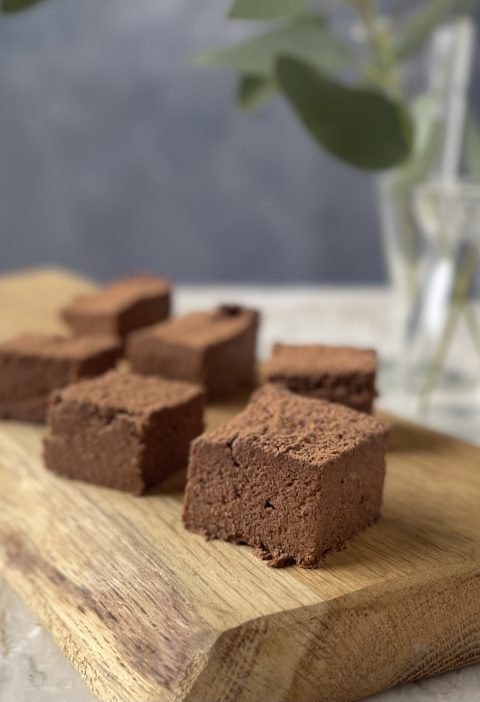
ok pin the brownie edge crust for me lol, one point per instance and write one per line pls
(293, 477)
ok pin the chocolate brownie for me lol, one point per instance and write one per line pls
(120, 308)
(292, 476)
(215, 349)
(122, 430)
(32, 366)
(341, 374)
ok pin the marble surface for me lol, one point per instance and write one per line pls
(32, 669)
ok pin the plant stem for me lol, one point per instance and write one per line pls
(382, 48)
(462, 284)
(381, 45)
(473, 326)
(403, 197)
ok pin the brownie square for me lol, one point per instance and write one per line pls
(215, 349)
(122, 430)
(31, 366)
(292, 476)
(120, 308)
(342, 374)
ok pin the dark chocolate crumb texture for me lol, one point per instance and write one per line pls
(291, 476)
(342, 374)
(33, 365)
(120, 308)
(215, 349)
(122, 430)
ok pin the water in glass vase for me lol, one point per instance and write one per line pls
(441, 360)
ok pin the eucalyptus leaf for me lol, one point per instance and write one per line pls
(11, 6)
(358, 125)
(266, 9)
(472, 147)
(309, 40)
(421, 24)
(254, 90)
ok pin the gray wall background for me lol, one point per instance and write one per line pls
(117, 154)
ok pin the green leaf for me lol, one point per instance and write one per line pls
(266, 9)
(309, 40)
(358, 125)
(472, 147)
(253, 90)
(421, 24)
(11, 6)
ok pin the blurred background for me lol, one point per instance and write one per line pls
(117, 153)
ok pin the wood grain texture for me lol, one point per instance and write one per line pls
(148, 612)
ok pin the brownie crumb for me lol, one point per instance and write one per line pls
(230, 310)
(273, 560)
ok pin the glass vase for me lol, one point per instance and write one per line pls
(430, 379)
(440, 364)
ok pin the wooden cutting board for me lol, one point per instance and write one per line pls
(148, 612)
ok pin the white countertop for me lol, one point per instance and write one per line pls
(32, 669)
